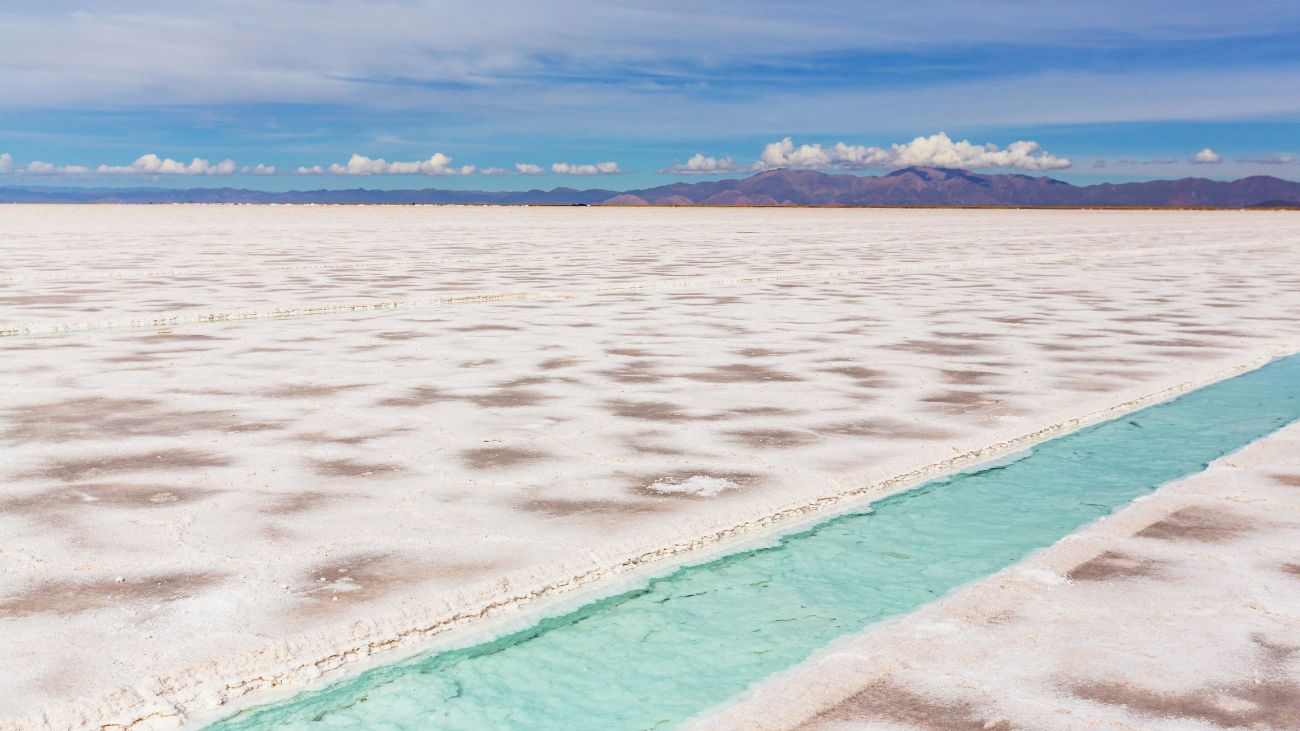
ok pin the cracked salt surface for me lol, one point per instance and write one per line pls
(402, 445)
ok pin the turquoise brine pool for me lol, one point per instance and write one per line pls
(655, 656)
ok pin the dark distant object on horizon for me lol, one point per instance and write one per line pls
(914, 186)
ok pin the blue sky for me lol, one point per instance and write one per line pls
(406, 93)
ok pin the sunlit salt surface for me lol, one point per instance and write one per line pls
(653, 657)
(536, 398)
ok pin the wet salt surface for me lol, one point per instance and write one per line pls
(1178, 613)
(275, 490)
(653, 657)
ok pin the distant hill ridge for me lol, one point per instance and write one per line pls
(913, 186)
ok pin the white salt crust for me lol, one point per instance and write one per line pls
(432, 416)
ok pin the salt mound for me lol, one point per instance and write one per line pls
(701, 485)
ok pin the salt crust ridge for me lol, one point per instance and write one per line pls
(209, 690)
(310, 310)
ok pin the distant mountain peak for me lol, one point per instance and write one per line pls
(786, 173)
(919, 171)
(926, 172)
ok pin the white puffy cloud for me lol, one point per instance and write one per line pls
(860, 156)
(938, 150)
(144, 165)
(437, 164)
(784, 154)
(521, 168)
(37, 167)
(151, 164)
(1206, 157)
(600, 168)
(941, 151)
(702, 165)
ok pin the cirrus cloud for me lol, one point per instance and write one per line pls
(1280, 159)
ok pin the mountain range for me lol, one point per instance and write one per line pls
(913, 186)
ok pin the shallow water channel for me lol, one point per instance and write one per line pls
(654, 656)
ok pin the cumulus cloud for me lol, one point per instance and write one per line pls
(937, 150)
(600, 168)
(151, 164)
(784, 154)
(941, 151)
(437, 164)
(144, 165)
(521, 168)
(37, 167)
(1206, 157)
(702, 165)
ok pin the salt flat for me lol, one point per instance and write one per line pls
(245, 444)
